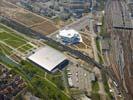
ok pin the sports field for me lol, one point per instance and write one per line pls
(11, 41)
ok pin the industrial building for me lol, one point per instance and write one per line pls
(69, 36)
(49, 59)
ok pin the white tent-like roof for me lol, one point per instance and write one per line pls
(47, 57)
(68, 33)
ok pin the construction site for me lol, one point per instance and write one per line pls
(27, 18)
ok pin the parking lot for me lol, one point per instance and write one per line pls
(78, 77)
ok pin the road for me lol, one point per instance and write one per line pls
(27, 31)
(97, 71)
(77, 25)
(80, 23)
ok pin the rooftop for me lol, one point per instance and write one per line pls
(68, 33)
(47, 57)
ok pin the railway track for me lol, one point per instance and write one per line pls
(120, 28)
(117, 16)
(27, 31)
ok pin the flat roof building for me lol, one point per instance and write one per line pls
(49, 59)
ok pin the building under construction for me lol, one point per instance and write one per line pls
(118, 25)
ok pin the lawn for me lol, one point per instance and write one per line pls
(106, 86)
(104, 76)
(25, 48)
(37, 84)
(46, 90)
(5, 49)
(95, 88)
(45, 85)
(10, 40)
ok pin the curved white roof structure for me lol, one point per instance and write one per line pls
(69, 36)
(68, 33)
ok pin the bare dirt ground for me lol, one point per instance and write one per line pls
(27, 18)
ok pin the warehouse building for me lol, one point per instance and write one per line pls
(49, 59)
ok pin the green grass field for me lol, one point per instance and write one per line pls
(39, 82)
(10, 40)
(46, 88)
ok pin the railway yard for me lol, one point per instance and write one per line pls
(119, 26)
(23, 32)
